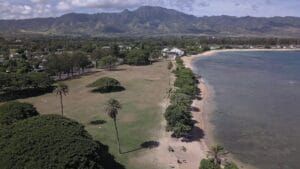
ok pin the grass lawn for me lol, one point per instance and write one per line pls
(138, 121)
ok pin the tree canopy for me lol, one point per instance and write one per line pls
(108, 62)
(12, 112)
(208, 164)
(51, 141)
(138, 57)
(106, 85)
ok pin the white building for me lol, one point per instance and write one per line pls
(172, 53)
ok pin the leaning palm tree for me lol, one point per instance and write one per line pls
(61, 90)
(112, 110)
(216, 152)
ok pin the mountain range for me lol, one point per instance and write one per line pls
(152, 21)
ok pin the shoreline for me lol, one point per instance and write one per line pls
(191, 58)
(206, 105)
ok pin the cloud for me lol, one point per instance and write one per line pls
(18, 9)
(63, 6)
(102, 4)
(11, 10)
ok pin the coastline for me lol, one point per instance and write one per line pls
(205, 106)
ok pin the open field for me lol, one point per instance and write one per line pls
(138, 121)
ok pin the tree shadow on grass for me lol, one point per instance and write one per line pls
(109, 90)
(108, 160)
(23, 94)
(117, 69)
(195, 109)
(97, 122)
(145, 145)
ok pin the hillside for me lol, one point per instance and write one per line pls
(152, 21)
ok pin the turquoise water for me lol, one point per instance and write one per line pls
(257, 114)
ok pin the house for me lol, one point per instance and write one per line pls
(106, 47)
(59, 51)
(214, 47)
(172, 53)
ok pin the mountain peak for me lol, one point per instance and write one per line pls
(153, 20)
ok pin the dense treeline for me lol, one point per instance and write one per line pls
(46, 45)
(178, 114)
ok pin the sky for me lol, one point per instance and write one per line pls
(20, 9)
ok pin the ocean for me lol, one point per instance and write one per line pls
(257, 105)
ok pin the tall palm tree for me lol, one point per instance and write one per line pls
(216, 152)
(112, 110)
(61, 90)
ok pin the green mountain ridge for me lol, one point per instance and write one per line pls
(152, 21)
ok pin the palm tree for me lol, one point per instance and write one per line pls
(112, 110)
(216, 152)
(61, 90)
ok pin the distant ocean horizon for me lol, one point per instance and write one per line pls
(257, 105)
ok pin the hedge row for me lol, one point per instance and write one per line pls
(178, 114)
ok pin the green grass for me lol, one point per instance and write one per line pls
(139, 120)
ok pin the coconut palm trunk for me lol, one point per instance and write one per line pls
(112, 110)
(117, 135)
(61, 105)
(61, 89)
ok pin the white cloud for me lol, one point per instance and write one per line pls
(18, 9)
(10, 10)
(103, 3)
(63, 6)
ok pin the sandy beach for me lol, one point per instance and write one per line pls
(204, 107)
(187, 155)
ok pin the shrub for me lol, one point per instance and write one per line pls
(231, 166)
(106, 85)
(52, 141)
(14, 111)
(208, 164)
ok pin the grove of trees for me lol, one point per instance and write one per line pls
(67, 63)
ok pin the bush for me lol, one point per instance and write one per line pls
(106, 85)
(231, 166)
(51, 141)
(208, 164)
(14, 111)
(138, 57)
